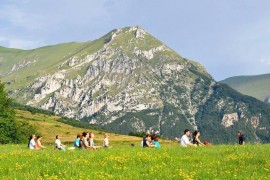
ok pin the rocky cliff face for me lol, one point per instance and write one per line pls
(133, 82)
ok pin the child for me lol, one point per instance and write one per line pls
(106, 141)
(156, 143)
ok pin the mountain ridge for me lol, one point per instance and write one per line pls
(128, 80)
(253, 85)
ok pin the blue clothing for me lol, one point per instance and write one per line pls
(144, 142)
(156, 143)
(77, 143)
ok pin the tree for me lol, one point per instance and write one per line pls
(8, 126)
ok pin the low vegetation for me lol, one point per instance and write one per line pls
(126, 162)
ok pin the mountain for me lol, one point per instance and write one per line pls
(257, 86)
(128, 81)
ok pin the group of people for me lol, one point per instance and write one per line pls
(83, 141)
(195, 141)
(150, 141)
(32, 144)
(86, 141)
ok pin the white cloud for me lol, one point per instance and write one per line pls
(23, 44)
(19, 43)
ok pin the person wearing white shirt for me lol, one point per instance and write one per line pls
(106, 141)
(58, 143)
(185, 139)
(32, 143)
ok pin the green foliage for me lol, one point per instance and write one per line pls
(79, 124)
(138, 134)
(11, 131)
(33, 110)
(209, 117)
(8, 127)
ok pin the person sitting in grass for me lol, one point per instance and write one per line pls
(77, 143)
(147, 141)
(38, 145)
(58, 143)
(185, 139)
(106, 141)
(91, 141)
(155, 141)
(84, 142)
(196, 134)
(32, 143)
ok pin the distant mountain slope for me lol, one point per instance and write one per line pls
(129, 81)
(49, 127)
(257, 86)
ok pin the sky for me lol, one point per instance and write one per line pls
(228, 37)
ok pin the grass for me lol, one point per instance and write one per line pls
(48, 127)
(126, 162)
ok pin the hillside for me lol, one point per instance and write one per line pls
(49, 127)
(129, 81)
(257, 86)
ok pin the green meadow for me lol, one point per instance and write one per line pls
(126, 162)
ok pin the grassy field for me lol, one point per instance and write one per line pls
(48, 127)
(126, 162)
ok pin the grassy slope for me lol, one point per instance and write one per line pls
(256, 86)
(47, 60)
(125, 162)
(48, 127)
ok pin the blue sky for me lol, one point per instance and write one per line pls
(229, 37)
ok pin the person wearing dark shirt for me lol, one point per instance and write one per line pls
(196, 139)
(241, 139)
(147, 140)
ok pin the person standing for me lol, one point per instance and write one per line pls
(185, 139)
(241, 139)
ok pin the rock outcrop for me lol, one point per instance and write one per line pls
(129, 81)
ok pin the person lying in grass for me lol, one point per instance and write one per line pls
(38, 145)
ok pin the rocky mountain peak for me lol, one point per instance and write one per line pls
(130, 81)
